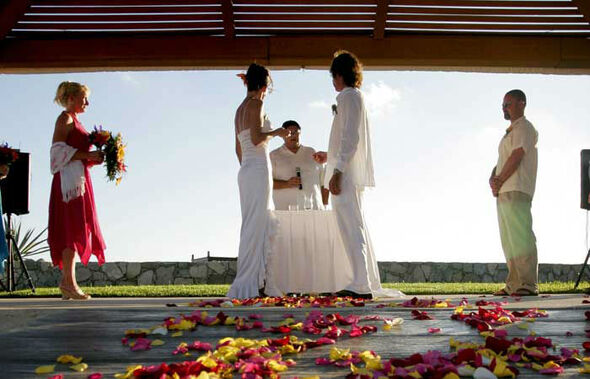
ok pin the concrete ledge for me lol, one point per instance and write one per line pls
(223, 272)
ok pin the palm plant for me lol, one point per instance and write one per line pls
(29, 242)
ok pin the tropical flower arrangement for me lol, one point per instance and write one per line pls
(114, 149)
(7, 154)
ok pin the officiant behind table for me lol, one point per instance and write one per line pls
(297, 178)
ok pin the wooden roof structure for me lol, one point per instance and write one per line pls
(551, 36)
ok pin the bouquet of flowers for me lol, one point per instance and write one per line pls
(7, 154)
(114, 149)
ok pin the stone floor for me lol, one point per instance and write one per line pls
(36, 331)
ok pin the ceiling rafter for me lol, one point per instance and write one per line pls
(380, 18)
(229, 27)
(131, 34)
(584, 7)
(11, 12)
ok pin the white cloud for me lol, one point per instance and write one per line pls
(129, 78)
(381, 98)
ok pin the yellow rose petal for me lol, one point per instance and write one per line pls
(80, 367)
(157, 343)
(129, 373)
(66, 358)
(339, 354)
(276, 366)
(47, 369)
(360, 370)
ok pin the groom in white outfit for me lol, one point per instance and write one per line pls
(349, 170)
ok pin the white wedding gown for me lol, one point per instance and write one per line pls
(258, 223)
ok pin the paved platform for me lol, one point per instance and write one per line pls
(35, 331)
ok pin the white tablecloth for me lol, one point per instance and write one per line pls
(308, 254)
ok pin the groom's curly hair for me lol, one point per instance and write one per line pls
(347, 65)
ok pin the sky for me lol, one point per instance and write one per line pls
(435, 139)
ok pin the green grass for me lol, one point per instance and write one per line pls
(218, 290)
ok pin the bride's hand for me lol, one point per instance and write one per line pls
(282, 132)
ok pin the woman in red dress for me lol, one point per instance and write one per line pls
(73, 224)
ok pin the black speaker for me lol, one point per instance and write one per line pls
(585, 178)
(15, 187)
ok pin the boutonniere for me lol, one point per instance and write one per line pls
(334, 109)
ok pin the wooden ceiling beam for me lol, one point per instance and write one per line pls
(483, 11)
(584, 8)
(523, 27)
(524, 20)
(306, 17)
(238, 8)
(380, 19)
(106, 27)
(118, 18)
(490, 4)
(229, 27)
(305, 2)
(73, 11)
(417, 52)
(10, 12)
(107, 3)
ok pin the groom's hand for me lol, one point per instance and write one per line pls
(294, 182)
(335, 182)
(320, 157)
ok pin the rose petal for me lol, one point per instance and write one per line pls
(80, 367)
(47, 369)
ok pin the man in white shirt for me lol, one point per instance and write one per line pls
(297, 177)
(349, 170)
(513, 184)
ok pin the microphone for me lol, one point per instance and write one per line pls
(298, 171)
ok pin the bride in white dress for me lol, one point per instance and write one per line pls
(255, 182)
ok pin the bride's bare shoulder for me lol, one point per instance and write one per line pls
(253, 104)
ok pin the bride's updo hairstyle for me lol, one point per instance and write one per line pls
(347, 65)
(66, 89)
(257, 77)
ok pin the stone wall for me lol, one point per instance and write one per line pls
(220, 272)
(419, 272)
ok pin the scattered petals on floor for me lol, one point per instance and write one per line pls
(499, 356)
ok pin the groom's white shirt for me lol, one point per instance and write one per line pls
(349, 150)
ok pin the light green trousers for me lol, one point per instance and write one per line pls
(518, 241)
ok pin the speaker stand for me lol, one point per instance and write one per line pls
(12, 249)
(582, 270)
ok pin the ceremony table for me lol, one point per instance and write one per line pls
(308, 253)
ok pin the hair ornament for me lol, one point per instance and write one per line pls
(242, 76)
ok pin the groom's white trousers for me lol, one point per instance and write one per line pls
(355, 236)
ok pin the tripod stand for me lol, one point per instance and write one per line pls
(12, 249)
(582, 270)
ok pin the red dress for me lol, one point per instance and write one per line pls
(74, 224)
